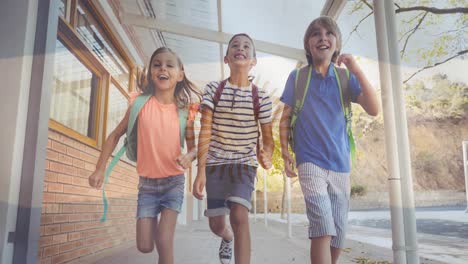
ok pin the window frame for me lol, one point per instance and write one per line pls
(69, 36)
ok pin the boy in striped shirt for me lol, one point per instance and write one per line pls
(227, 150)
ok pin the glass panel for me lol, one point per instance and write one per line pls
(63, 9)
(94, 36)
(116, 107)
(282, 22)
(74, 92)
(195, 13)
(200, 58)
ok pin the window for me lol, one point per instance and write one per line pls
(117, 105)
(74, 93)
(92, 75)
(95, 37)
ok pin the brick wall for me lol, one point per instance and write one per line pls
(70, 226)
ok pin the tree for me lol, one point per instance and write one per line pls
(449, 39)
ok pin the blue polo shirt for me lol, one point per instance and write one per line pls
(320, 133)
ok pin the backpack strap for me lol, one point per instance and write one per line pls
(182, 113)
(135, 109)
(255, 98)
(301, 86)
(256, 101)
(345, 99)
(218, 93)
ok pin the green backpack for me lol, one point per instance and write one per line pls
(301, 86)
(130, 143)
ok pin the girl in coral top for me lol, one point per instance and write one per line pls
(160, 162)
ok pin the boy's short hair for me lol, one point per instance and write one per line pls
(245, 35)
(328, 23)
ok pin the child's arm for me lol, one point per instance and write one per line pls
(368, 98)
(96, 179)
(185, 160)
(284, 129)
(266, 153)
(203, 145)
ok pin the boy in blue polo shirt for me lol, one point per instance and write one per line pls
(320, 140)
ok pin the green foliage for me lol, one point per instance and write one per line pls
(358, 190)
(438, 98)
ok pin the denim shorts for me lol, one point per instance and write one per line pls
(156, 194)
(326, 195)
(227, 184)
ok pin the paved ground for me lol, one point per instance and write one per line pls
(196, 245)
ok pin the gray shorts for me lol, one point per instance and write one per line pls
(227, 184)
(326, 195)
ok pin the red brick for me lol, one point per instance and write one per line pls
(50, 251)
(59, 147)
(48, 197)
(64, 178)
(74, 236)
(62, 238)
(73, 152)
(45, 241)
(76, 189)
(50, 176)
(65, 159)
(61, 218)
(78, 163)
(52, 229)
(80, 181)
(67, 228)
(47, 219)
(70, 246)
(52, 155)
(51, 208)
(54, 187)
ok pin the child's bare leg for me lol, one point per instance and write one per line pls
(219, 228)
(165, 236)
(239, 218)
(335, 254)
(320, 250)
(146, 229)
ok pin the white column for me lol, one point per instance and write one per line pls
(398, 236)
(465, 168)
(288, 201)
(265, 197)
(402, 137)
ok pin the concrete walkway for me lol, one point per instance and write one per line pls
(196, 245)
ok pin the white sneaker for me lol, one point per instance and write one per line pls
(225, 251)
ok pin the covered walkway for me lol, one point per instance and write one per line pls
(195, 244)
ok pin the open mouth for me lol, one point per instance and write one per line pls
(322, 47)
(163, 77)
(239, 56)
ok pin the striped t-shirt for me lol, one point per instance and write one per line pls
(234, 131)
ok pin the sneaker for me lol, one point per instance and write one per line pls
(225, 251)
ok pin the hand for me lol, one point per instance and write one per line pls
(96, 179)
(199, 185)
(185, 160)
(349, 62)
(265, 158)
(289, 165)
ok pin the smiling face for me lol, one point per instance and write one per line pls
(241, 52)
(165, 71)
(322, 44)
(322, 41)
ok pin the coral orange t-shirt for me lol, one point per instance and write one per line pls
(158, 140)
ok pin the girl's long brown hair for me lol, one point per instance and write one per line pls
(185, 92)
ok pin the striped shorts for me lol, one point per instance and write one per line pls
(326, 195)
